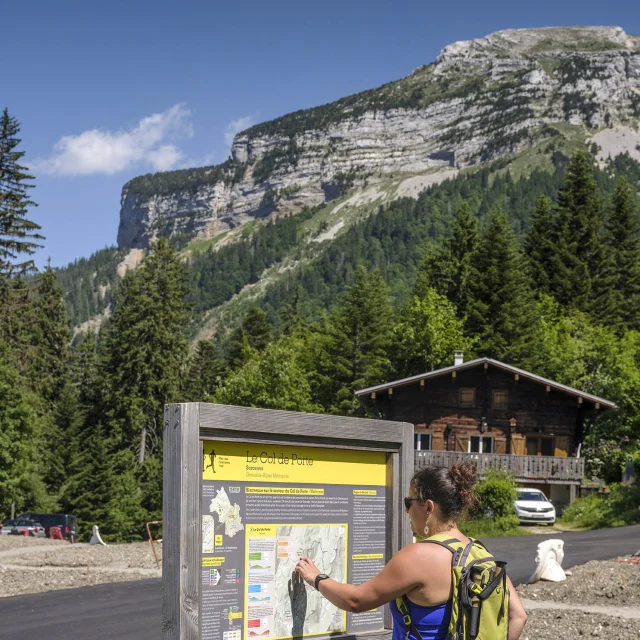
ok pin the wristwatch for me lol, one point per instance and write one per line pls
(320, 576)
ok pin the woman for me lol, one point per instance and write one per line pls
(421, 572)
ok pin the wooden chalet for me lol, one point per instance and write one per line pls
(498, 416)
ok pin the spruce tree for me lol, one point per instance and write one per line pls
(540, 246)
(18, 234)
(145, 349)
(623, 242)
(446, 269)
(253, 334)
(50, 337)
(17, 420)
(502, 308)
(205, 372)
(582, 271)
(359, 339)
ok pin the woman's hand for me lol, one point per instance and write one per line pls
(307, 570)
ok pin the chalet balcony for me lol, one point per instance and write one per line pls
(543, 469)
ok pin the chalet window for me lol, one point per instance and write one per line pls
(500, 399)
(539, 446)
(480, 444)
(467, 397)
(422, 441)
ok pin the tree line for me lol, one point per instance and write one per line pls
(540, 272)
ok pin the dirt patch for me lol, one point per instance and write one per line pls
(618, 140)
(603, 582)
(413, 187)
(33, 565)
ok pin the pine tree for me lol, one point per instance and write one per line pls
(359, 338)
(623, 242)
(502, 307)
(447, 268)
(145, 348)
(18, 234)
(205, 372)
(540, 245)
(582, 277)
(17, 420)
(253, 334)
(50, 337)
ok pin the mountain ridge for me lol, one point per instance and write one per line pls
(481, 100)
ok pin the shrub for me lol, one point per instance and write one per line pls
(620, 507)
(496, 495)
(492, 527)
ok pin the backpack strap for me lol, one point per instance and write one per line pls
(403, 606)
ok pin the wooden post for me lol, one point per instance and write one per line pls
(572, 493)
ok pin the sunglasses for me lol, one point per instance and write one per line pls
(408, 501)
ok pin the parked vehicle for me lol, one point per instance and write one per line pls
(21, 527)
(532, 505)
(68, 524)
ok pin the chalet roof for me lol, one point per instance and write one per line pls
(499, 365)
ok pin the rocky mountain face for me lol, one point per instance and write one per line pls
(481, 100)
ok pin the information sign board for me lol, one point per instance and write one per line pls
(268, 493)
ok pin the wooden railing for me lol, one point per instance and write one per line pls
(532, 468)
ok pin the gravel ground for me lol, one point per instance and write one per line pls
(568, 625)
(609, 584)
(34, 565)
(596, 582)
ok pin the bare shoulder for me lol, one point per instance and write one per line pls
(419, 552)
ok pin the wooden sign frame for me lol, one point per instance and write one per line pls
(187, 425)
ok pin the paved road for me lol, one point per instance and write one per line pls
(132, 610)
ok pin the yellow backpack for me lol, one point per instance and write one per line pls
(480, 606)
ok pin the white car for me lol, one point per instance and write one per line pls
(532, 506)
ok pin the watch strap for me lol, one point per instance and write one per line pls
(319, 577)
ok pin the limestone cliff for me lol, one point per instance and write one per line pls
(481, 100)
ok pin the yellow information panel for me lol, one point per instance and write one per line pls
(282, 463)
(263, 507)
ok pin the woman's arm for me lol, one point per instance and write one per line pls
(396, 579)
(517, 614)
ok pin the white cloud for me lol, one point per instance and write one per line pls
(236, 126)
(97, 151)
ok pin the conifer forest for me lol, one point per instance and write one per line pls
(540, 271)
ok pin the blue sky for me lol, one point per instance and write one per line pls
(107, 90)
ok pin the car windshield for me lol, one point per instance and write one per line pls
(531, 495)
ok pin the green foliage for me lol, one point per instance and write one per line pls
(580, 265)
(17, 419)
(145, 345)
(358, 343)
(204, 373)
(620, 507)
(496, 492)
(623, 242)
(448, 267)
(165, 182)
(253, 334)
(275, 159)
(492, 527)
(501, 308)
(426, 335)
(271, 379)
(18, 234)
(89, 283)
(539, 245)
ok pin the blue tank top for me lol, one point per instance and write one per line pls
(431, 622)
